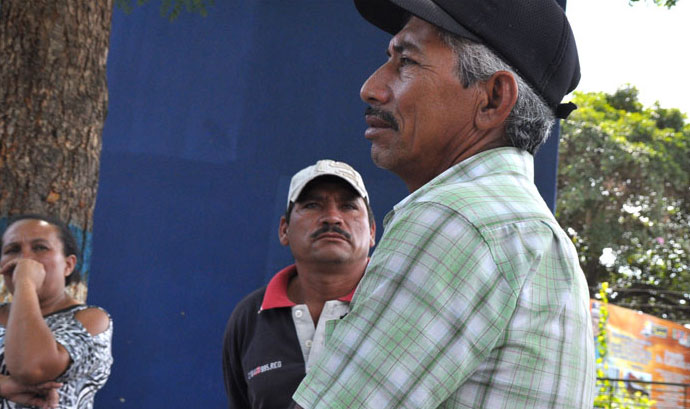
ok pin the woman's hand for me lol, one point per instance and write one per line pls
(44, 395)
(31, 354)
(25, 270)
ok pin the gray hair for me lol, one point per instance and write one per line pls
(530, 121)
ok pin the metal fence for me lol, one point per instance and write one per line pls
(630, 394)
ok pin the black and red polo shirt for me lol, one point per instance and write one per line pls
(263, 360)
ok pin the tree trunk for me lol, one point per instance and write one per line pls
(53, 103)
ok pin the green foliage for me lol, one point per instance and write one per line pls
(623, 192)
(170, 9)
(602, 345)
(664, 3)
(612, 394)
(625, 99)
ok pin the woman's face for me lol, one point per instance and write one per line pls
(39, 241)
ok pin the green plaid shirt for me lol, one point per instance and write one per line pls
(474, 298)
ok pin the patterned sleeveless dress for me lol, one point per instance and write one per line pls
(91, 358)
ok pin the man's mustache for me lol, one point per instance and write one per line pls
(384, 115)
(330, 228)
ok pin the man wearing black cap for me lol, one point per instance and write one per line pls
(474, 297)
(276, 333)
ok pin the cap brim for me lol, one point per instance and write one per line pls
(297, 190)
(392, 15)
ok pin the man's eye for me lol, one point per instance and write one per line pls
(310, 205)
(406, 61)
(11, 250)
(40, 247)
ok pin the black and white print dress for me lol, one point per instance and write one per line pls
(91, 358)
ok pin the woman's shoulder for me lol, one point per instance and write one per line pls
(94, 319)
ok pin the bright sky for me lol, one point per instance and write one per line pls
(645, 45)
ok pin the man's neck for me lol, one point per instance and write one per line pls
(315, 284)
(470, 146)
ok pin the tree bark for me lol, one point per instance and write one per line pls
(53, 104)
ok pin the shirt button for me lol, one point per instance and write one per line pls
(298, 314)
(308, 343)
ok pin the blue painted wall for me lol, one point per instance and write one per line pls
(208, 119)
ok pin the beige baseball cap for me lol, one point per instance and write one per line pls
(326, 167)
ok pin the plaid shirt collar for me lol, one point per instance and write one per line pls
(498, 160)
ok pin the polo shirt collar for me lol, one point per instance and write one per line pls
(276, 290)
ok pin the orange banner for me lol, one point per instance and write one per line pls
(644, 347)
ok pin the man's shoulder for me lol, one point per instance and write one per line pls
(249, 305)
(488, 201)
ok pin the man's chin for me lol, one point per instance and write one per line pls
(380, 157)
(332, 256)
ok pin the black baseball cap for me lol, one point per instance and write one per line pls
(533, 36)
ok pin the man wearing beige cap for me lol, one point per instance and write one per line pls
(275, 333)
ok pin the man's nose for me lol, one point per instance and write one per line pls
(375, 90)
(331, 215)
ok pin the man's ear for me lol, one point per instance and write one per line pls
(282, 231)
(372, 237)
(500, 95)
